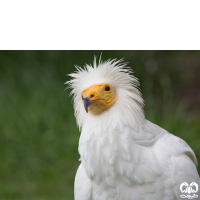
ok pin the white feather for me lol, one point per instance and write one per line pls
(124, 156)
(118, 75)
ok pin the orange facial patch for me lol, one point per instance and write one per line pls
(102, 97)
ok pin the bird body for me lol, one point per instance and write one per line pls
(123, 155)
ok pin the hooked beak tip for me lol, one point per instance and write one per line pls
(87, 103)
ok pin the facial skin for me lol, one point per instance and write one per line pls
(98, 98)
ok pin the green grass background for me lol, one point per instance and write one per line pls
(38, 132)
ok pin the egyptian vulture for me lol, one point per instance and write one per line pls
(124, 156)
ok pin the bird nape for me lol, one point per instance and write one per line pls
(123, 155)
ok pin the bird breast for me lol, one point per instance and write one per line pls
(110, 158)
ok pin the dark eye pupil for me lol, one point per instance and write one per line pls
(107, 88)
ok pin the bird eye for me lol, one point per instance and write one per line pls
(91, 95)
(107, 88)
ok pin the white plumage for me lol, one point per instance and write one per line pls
(123, 155)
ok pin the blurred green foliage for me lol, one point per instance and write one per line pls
(38, 132)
